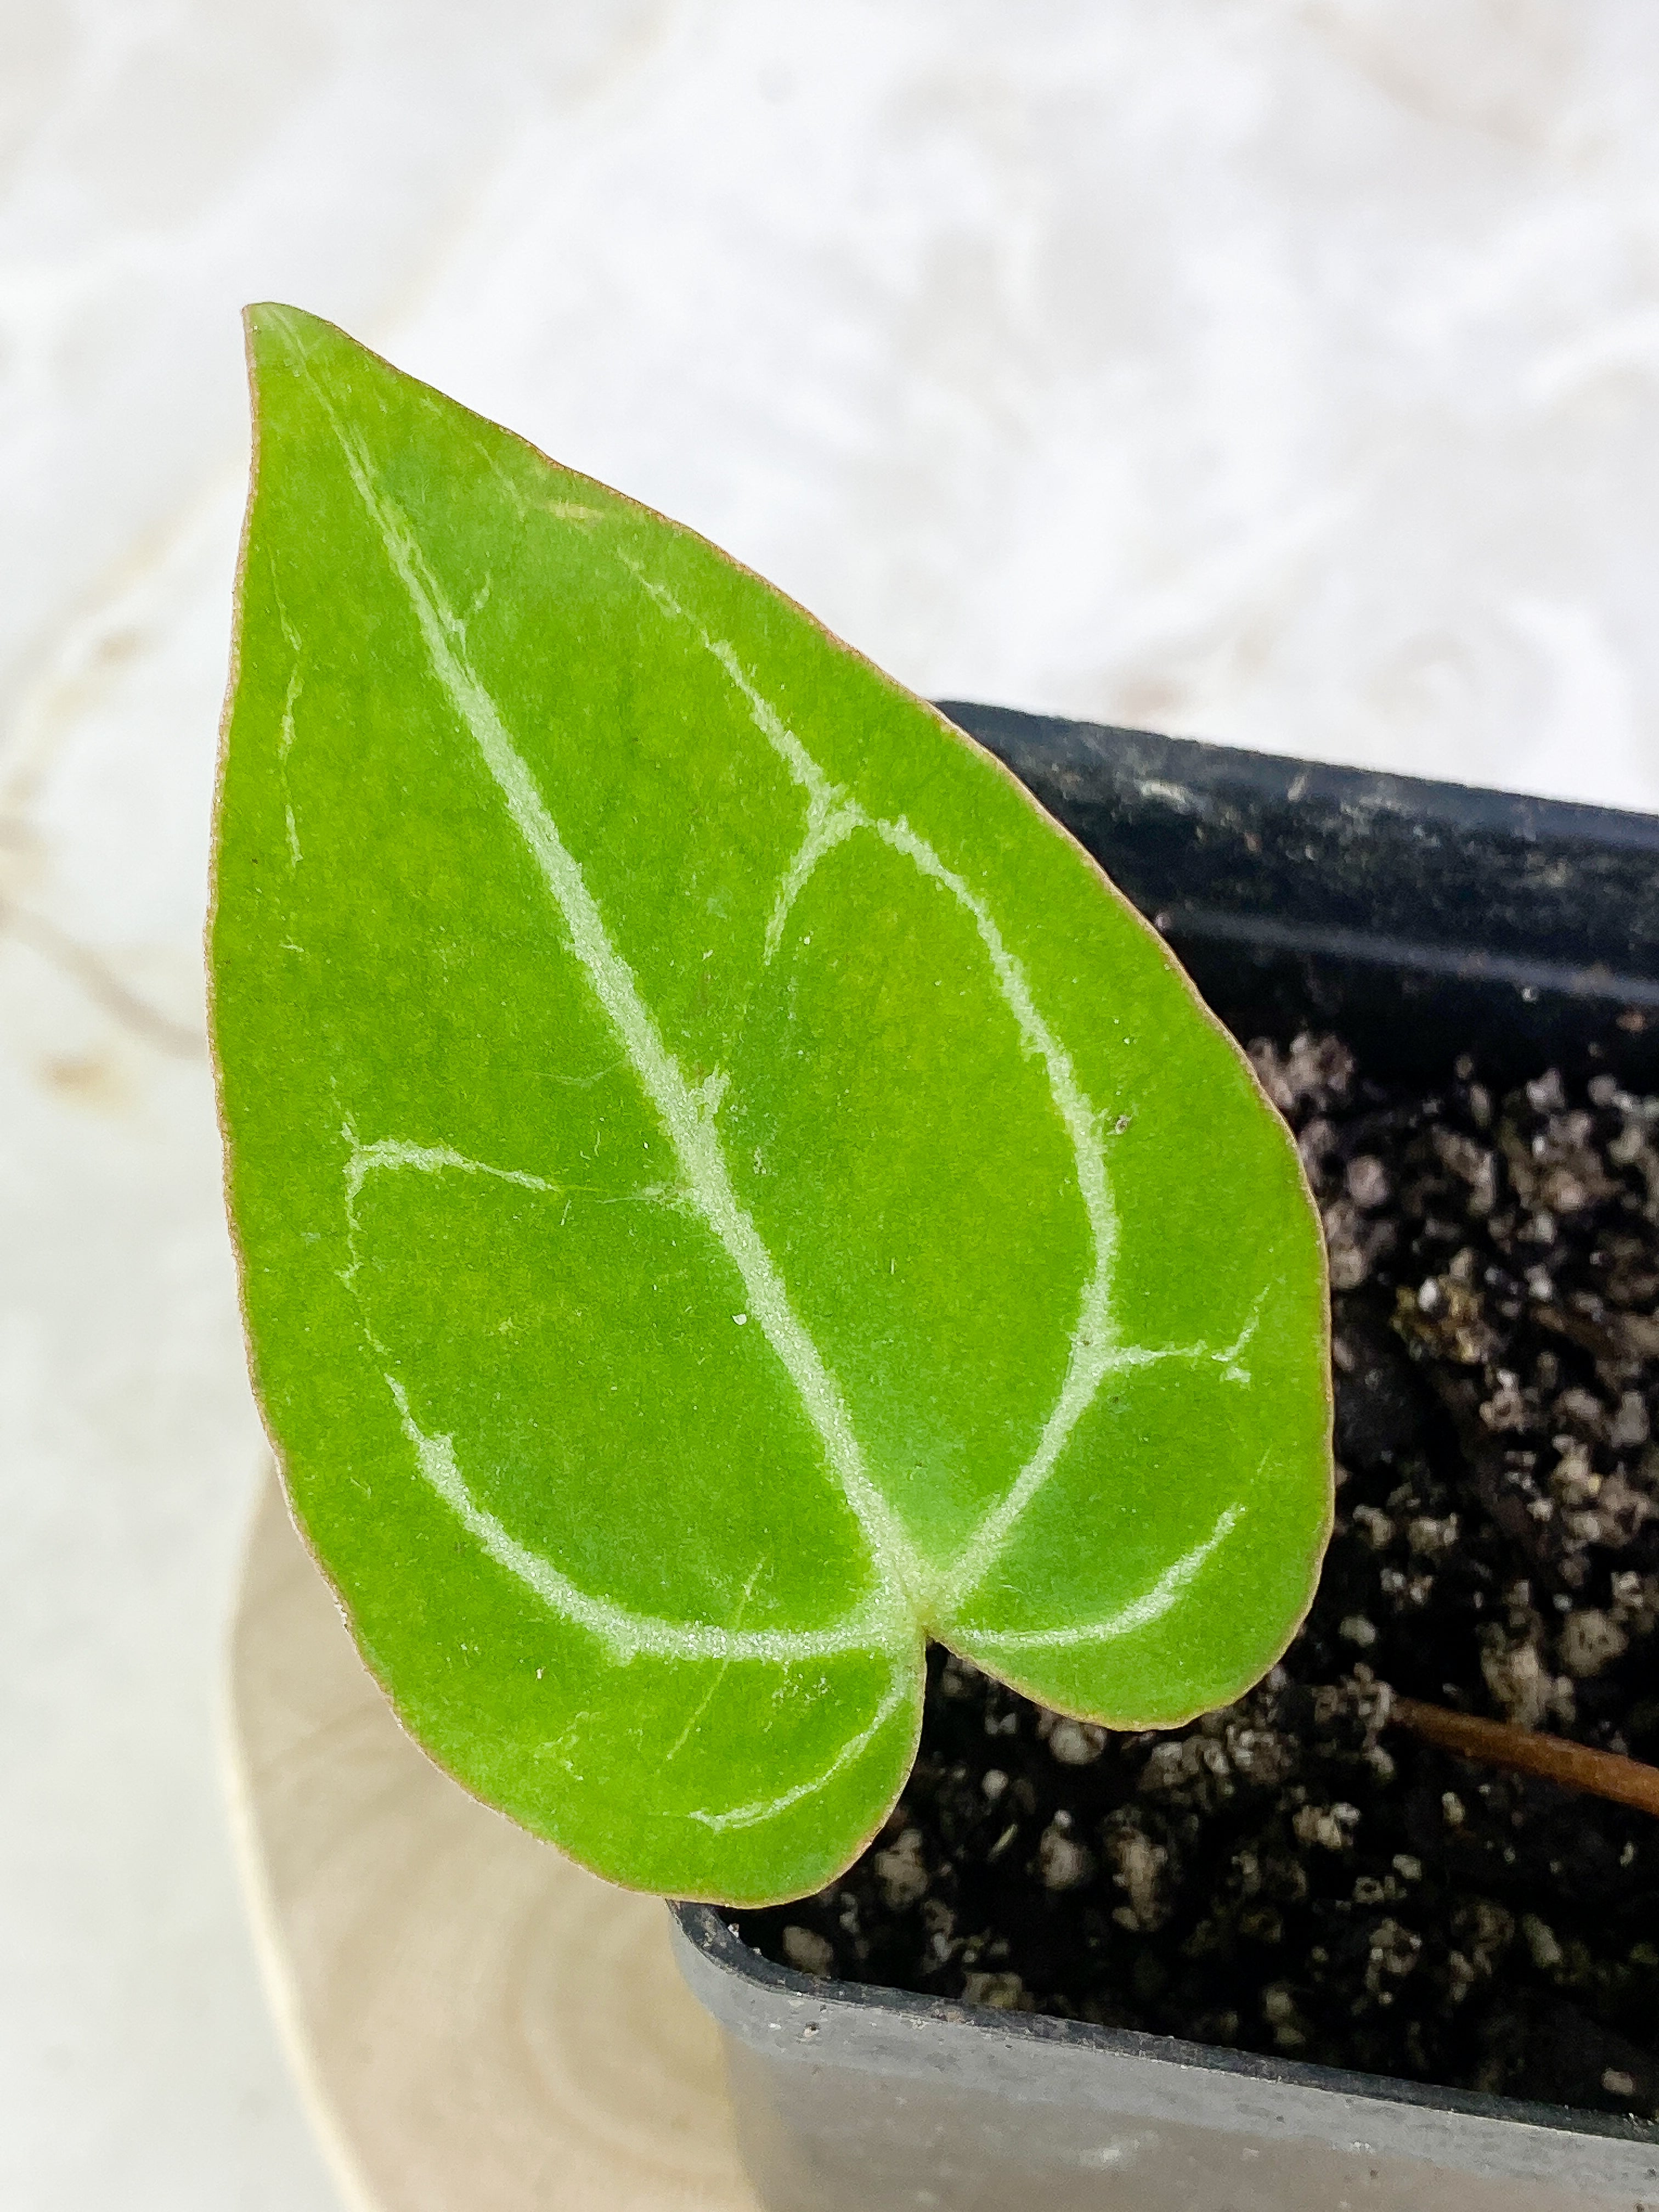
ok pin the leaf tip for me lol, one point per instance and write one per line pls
(272, 328)
(262, 318)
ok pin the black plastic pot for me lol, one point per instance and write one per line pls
(1421, 920)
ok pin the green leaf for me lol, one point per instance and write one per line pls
(725, 1189)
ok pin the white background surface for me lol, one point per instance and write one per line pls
(1282, 371)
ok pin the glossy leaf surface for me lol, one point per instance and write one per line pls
(726, 1190)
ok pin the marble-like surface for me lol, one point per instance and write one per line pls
(481, 2026)
(1283, 371)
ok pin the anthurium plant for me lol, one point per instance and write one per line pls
(726, 1190)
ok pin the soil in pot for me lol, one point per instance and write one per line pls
(1298, 1874)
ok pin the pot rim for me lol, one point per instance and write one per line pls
(705, 1930)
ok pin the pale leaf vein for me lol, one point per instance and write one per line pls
(691, 1131)
(625, 1633)
(1139, 1612)
(766, 1808)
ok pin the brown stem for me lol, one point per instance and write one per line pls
(1496, 1743)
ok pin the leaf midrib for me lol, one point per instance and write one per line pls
(691, 1131)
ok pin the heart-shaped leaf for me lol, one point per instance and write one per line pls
(725, 1189)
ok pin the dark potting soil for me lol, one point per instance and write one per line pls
(1293, 1874)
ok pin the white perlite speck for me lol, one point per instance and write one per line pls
(1063, 1862)
(1076, 1743)
(901, 1871)
(1540, 1941)
(808, 1954)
